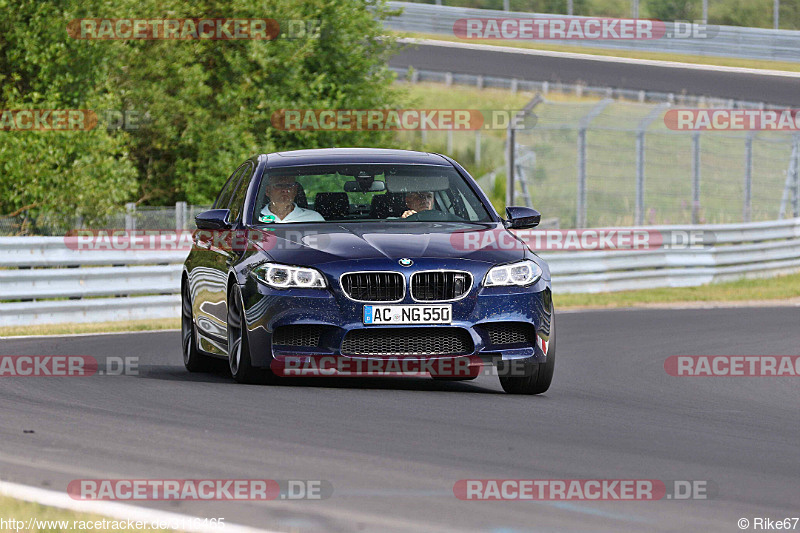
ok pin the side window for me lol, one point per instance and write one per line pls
(237, 201)
(227, 190)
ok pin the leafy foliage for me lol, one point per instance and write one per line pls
(85, 173)
(207, 103)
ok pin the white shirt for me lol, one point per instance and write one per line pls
(298, 214)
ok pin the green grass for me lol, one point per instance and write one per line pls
(19, 510)
(658, 56)
(97, 327)
(751, 290)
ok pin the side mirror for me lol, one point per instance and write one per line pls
(213, 219)
(522, 217)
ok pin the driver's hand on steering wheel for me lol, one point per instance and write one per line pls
(408, 213)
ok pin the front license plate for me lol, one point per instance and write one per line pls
(408, 314)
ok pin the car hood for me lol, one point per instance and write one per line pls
(322, 243)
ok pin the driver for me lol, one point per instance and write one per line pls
(282, 191)
(418, 201)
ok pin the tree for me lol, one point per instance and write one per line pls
(84, 173)
(208, 103)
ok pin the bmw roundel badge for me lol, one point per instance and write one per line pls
(406, 262)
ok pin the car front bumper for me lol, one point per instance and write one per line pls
(267, 309)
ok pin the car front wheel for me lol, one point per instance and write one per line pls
(239, 360)
(538, 376)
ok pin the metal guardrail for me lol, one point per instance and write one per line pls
(725, 41)
(413, 75)
(50, 283)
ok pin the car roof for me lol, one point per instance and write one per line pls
(333, 156)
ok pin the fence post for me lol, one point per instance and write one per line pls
(477, 146)
(748, 177)
(796, 201)
(695, 178)
(510, 145)
(450, 142)
(638, 214)
(792, 179)
(180, 215)
(130, 216)
(580, 207)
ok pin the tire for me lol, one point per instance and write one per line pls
(239, 360)
(539, 375)
(193, 360)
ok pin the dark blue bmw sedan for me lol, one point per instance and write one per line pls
(365, 256)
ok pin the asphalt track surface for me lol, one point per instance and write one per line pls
(742, 86)
(393, 448)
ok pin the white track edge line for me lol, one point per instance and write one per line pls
(601, 58)
(119, 511)
(51, 335)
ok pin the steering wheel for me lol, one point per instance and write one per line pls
(433, 215)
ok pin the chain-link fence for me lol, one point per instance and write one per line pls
(614, 163)
(179, 216)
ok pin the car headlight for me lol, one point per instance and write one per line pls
(521, 274)
(289, 277)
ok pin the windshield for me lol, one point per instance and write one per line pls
(366, 192)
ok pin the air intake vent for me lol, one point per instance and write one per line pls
(297, 335)
(408, 341)
(440, 285)
(374, 286)
(502, 333)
